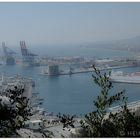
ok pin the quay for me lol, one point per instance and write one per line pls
(87, 70)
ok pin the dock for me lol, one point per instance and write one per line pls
(87, 70)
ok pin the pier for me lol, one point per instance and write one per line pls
(87, 70)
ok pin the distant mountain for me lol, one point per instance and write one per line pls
(131, 44)
(130, 41)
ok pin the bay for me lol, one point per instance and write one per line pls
(72, 94)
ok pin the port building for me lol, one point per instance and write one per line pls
(53, 70)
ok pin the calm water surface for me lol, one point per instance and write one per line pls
(72, 94)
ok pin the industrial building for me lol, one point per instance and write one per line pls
(53, 70)
(34, 124)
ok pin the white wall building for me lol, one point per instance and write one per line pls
(34, 124)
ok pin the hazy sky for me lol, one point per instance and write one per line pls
(52, 23)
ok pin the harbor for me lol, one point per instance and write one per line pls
(43, 123)
(40, 123)
(68, 75)
(57, 85)
(67, 100)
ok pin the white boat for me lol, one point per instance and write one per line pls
(119, 76)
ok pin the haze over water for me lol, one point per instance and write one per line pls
(75, 50)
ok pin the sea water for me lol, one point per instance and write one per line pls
(72, 94)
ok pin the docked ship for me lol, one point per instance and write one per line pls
(121, 77)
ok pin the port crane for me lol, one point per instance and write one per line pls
(8, 55)
(27, 56)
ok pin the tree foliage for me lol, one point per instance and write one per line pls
(14, 111)
(66, 120)
(101, 122)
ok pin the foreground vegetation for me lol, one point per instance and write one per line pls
(15, 110)
(101, 123)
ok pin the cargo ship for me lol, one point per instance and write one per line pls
(121, 77)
